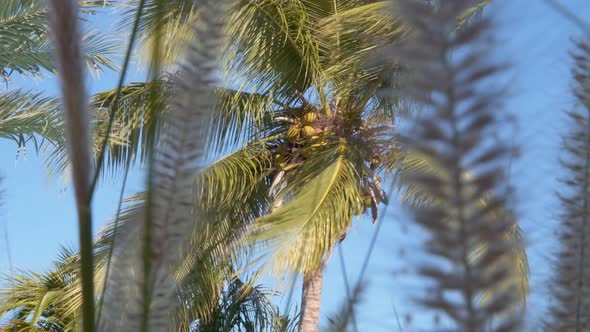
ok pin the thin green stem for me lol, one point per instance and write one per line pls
(372, 244)
(347, 287)
(115, 104)
(87, 266)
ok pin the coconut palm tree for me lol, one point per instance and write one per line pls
(309, 110)
(304, 105)
(50, 302)
(311, 121)
(314, 125)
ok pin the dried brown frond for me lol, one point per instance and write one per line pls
(178, 158)
(456, 132)
(571, 292)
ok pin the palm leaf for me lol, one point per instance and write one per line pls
(24, 46)
(26, 116)
(238, 117)
(321, 200)
(286, 57)
(353, 35)
(39, 302)
(231, 192)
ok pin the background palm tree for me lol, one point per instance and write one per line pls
(50, 302)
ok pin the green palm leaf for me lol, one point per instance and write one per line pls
(238, 116)
(321, 200)
(285, 57)
(28, 116)
(24, 44)
(40, 302)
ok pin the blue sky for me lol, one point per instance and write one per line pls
(39, 216)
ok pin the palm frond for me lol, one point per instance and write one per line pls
(320, 200)
(29, 301)
(274, 69)
(570, 291)
(128, 136)
(24, 37)
(27, 116)
(238, 117)
(454, 134)
(100, 52)
(471, 11)
(242, 306)
(353, 35)
(24, 45)
(49, 301)
(230, 192)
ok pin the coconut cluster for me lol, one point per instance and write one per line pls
(309, 129)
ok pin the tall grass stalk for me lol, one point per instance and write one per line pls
(66, 33)
(450, 68)
(143, 293)
(571, 286)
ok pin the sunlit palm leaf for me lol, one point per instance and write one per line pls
(242, 306)
(351, 37)
(26, 116)
(271, 46)
(40, 302)
(321, 200)
(238, 116)
(24, 47)
(206, 265)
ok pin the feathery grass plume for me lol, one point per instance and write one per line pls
(456, 133)
(66, 33)
(571, 291)
(176, 162)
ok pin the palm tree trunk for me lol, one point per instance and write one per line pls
(310, 300)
